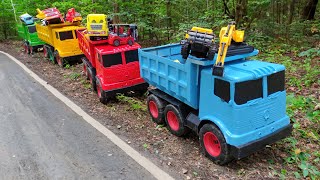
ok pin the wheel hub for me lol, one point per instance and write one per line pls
(153, 109)
(212, 144)
(173, 121)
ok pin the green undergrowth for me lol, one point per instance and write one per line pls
(302, 62)
(134, 104)
(303, 146)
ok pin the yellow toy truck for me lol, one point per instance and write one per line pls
(97, 27)
(61, 44)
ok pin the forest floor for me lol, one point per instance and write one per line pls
(294, 157)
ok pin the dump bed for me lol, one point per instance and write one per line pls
(45, 33)
(164, 68)
(160, 66)
(86, 47)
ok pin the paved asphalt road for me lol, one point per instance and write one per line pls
(41, 138)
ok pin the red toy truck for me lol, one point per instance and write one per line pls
(111, 69)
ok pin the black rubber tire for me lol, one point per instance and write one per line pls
(130, 42)
(212, 51)
(185, 50)
(45, 52)
(85, 70)
(58, 59)
(224, 157)
(92, 80)
(116, 42)
(160, 104)
(101, 94)
(182, 129)
(26, 48)
(31, 50)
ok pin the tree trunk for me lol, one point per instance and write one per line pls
(291, 11)
(309, 10)
(116, 11)
(240, 11)
(226, 9)
(212, 18)
(169, 19)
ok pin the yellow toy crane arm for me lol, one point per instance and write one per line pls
(225, 41)
(40, 14)
(227, 34)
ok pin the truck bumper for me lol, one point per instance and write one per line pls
(244, 150)
(112, 93)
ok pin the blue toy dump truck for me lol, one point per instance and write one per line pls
(234, 115)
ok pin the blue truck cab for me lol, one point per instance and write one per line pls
(234, 115)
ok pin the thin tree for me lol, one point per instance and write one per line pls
(309, 10)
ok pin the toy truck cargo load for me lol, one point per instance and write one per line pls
(60, 38)
(234, 115)
(27, 31)
(111, 69)
(99, 28)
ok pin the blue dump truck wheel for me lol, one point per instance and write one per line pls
(155, 108)
(214, 145)
(175, 121)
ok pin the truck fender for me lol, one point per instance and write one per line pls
(216, 122)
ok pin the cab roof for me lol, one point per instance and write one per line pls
(110, 49)
(244, 70)
(68, 28)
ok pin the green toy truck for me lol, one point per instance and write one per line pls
(27, 31)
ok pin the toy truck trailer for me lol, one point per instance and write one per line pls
(61, 42)
(27, 31)
(111, 69)
(234, 115)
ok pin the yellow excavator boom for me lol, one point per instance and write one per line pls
(227, 34)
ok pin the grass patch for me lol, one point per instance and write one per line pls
(133, 103)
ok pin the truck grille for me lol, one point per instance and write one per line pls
(96, 27)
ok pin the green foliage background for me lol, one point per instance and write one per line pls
(276, 27)
(165, 21)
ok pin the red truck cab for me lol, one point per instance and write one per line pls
(111, 69)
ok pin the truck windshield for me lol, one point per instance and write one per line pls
(32, 29)
(131, 56)
(276, 82)
(65, 35)
(111, 59)
(248, 90)
(222, 89)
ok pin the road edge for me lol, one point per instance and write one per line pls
(135, 155)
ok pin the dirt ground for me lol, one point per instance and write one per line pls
(134, 126)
